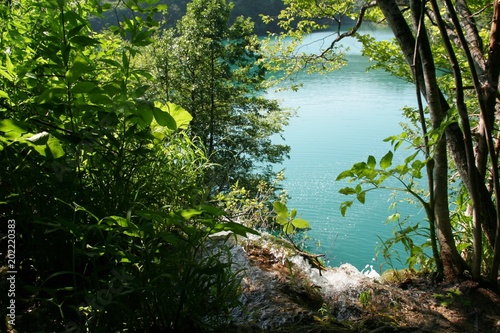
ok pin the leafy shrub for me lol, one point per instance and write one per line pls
(106, 186)
(252, 208)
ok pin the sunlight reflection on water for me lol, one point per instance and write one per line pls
(343, 117)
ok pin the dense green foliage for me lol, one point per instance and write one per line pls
(214, 70)
(114, 143)
(104, 179)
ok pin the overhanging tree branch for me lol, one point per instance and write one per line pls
(352, 31)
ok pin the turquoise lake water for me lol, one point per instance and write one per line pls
(342, 117)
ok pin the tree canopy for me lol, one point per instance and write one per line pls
(213, 69)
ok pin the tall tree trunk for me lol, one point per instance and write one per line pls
(453, 264)
(492, 95)
(454, 135)
(485, 78)
(429, 208)
(475, 48)
(464, 118)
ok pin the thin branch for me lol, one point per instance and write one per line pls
(352, 31)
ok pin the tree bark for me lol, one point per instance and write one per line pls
(454, 135)
(453, 263)
(464, 118)
(492, 95)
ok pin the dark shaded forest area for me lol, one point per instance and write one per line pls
(177, 9)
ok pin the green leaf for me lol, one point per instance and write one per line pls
(288, 229)
(73, 32)
(142, 38)
(411, 157)
(280, 209)
(6, 75)
(142, 73)
(84, 41)
(347, 191)
(398, 144)
(370, 174)
(215, 211)
(140, 91)
(55, 147)
(345, 174)
(401, 169)
(372, 162)
(300, 223)
(125, 61)
(361, 197)
(115, 220)
(50, 94)
(79, 67)
(161, 7)
(100, 98)
(393, 217)
(293, 213)
(417, 164)
(282, 220)
(3, 94)
(416, 173)
(115, 29)
(144, 113)
(344, 206)
(83, 87)
(386, 161)
(46, 145)
(164, 118)
(112, 62)
(111, 89)
(189, 213)
(181, 116)
(236, 228)
(391, 138)
(360, 168)
(10, 125)
(8, 65)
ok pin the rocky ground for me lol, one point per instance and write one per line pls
(283, 293)
(283, 290)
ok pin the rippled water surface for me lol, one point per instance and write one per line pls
(342, 118)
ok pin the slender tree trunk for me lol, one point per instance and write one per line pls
(493, 70)
(486, 87)
(211, 125)
(453, 264)
(429, 166)
(475, 47)
(464, 117)
(454, 135)
(429, 208)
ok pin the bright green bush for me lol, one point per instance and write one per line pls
(106, 187)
